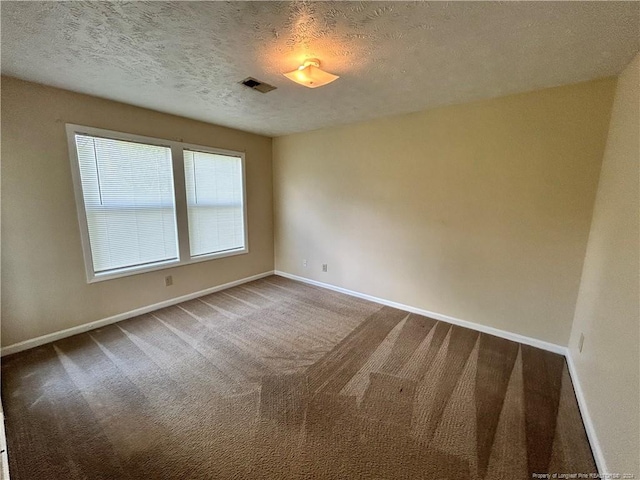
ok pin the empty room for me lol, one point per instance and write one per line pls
(320, 240)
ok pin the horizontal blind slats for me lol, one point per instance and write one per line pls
(215, 202)
(129, 202)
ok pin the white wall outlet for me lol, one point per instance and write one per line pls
(304, 263)
(324, 267)
(168, 281)
(581, 342)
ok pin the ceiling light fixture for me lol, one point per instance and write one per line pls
(310, 75)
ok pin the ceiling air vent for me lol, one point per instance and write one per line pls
(257, 85)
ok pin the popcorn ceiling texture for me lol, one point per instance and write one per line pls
(187, 58)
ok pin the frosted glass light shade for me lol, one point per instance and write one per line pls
(310, 75)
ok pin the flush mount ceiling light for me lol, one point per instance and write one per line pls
(310, 75)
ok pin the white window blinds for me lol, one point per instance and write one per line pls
(129, 202)
(215, 202)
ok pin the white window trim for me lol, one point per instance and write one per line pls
(180, 196)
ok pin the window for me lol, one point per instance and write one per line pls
(214, 202)
(128, 201)
(145, 203)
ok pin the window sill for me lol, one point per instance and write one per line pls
(129, 271)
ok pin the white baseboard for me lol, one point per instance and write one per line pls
(52, 337)
(591, 434)
(4, 461)
(534, 342)
(596, 449)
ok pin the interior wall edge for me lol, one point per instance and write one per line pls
(603, 345)
(4, 457)
(596, 448)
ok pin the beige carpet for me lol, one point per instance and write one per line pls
(279, 380)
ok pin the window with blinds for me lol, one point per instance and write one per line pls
(129, 202)
(215, 202)
(135, 216)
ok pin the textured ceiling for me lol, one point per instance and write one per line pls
(187, 58)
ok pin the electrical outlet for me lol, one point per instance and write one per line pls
(304, 263)
(168, 281)
(581, 342)
(324, 267)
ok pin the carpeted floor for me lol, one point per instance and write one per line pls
(276, 379)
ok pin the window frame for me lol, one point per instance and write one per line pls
(180, 199)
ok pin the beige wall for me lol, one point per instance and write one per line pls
(608, 307)
(44, 287)
(478, 211)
